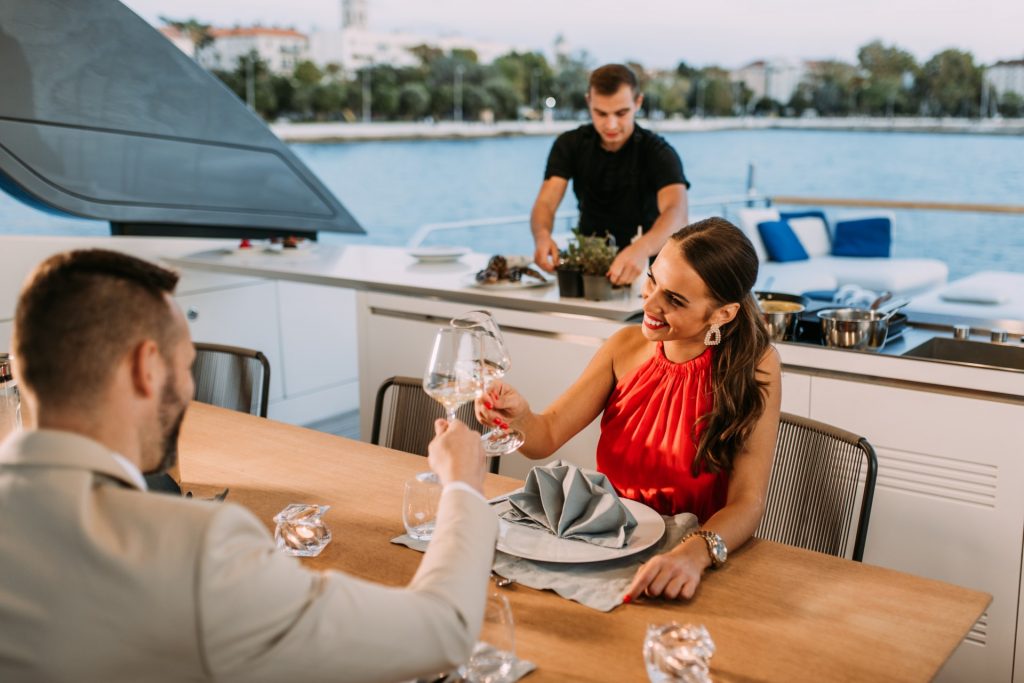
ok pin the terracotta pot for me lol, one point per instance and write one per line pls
(597, 288)
(570, 282)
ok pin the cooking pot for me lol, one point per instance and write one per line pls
(780, 312)
(858, 328)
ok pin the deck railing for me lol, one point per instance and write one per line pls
(568, 219)
(897, 204)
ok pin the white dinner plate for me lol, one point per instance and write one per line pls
(526, 283)
(534, 543)
(438, 254)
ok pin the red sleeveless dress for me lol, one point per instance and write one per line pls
(648, 442)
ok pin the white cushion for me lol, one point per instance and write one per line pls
(749, 218)
(981, 288)
(813, 235)
(794, 277)
(903, 276)
(931, 307)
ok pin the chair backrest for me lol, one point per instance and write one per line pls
(813, 491)
(232, 377)
(404, 414)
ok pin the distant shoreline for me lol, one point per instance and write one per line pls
(450, 130)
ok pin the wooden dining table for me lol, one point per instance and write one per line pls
(775, 612)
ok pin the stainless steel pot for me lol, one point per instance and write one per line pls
(780, 313)
(854, 328)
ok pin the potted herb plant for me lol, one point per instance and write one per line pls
(596, 256)
(569, 271)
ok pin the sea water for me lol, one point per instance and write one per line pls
(394, 187)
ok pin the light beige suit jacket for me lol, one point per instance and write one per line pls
(100, 581)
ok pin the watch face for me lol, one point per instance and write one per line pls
(719, 551)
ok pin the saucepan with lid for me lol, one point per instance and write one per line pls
(857, 328)
(780, 312)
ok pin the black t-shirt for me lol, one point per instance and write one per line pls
(615, 191)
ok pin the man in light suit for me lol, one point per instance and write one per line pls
(100, 581)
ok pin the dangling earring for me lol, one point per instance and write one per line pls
(714, 335)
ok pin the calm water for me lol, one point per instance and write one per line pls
(394, 187)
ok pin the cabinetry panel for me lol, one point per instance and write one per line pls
(796, 393)
(243, 316)
(948, 501)
(318, 337)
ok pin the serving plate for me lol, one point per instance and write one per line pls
(534, 543)
(437, 254)
(501, 285)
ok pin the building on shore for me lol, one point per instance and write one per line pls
(1006, 77)
(776, 79)
(280, 48)
(354, 46)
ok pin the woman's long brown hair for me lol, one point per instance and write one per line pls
(725, 259)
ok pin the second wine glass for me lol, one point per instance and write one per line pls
(454, 374)
(496, 362)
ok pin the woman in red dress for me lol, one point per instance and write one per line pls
(690, 401)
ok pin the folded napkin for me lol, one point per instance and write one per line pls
(571, 502)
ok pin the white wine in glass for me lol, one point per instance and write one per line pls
(496, 362)
(454, 374)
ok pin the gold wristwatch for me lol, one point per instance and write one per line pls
(716, 546)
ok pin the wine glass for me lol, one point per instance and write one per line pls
(454, 373)
(494, 655)
(496, 362)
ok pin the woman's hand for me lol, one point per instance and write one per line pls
(675, 574)
(500, 405)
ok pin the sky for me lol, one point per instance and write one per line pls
(659, 33)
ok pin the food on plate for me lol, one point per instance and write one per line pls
(499, 269)
(780, 306)
(289, 242)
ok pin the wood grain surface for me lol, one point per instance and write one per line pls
(775, 613)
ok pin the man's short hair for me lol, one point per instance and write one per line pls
(79, 313)
(607, 80)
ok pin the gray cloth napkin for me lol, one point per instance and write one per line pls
(571, 502)
(599, 585)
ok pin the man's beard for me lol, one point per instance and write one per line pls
(172, 413)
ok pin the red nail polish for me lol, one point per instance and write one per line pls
(487, 404)
(627, 599)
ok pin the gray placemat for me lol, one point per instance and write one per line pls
(599, 585)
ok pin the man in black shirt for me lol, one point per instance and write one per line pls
(624, 177)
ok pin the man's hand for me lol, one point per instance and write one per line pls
(456, 454)
(628, 265)
(546, 253)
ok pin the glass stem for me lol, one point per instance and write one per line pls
(450, 414)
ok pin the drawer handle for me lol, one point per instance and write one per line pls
(192, 313)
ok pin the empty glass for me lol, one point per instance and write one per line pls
(496, 362)
(494, 655)
(301, 530)
(419, 505)
(678, 653)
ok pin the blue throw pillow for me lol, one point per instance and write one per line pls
(863, 237)
(781, 242)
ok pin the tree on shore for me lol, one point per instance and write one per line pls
(950, 84)
(885, 81)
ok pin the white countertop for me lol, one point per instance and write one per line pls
(392, 270)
